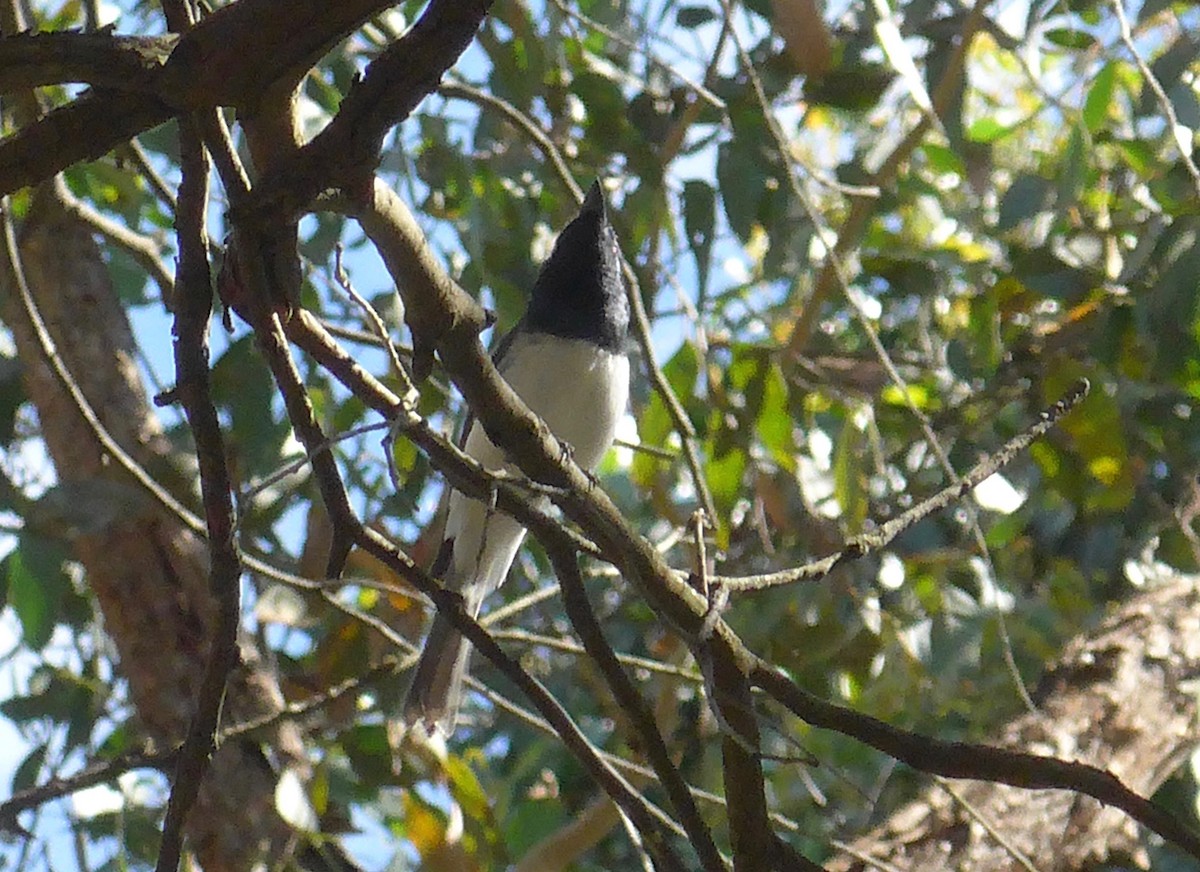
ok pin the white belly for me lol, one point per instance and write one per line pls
(581, 395)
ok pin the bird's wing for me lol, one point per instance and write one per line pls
(498, 354)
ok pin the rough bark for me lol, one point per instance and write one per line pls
(1121, 697)
(148, 573)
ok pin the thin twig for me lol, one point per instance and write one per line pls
(699, 88)
(157, 184)
(1183, 141)
(871, 542)
(522, 122)
(569, 647)
(294, 466)
(270, 337)
(409, 394)
(1013, 851)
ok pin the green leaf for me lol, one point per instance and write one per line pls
(988, 130)
(1099, 98)
(943, 160)
(742, 180)
(724, 474)
(1026, 197)
(366, 747)
(854, 87)
(691, 17)
(654, 426)
(242, 384)
(850, 480)
(1141, 157)
(531, 821)
(608, 126)
(1071, 38)
(27, 772)
(1073, 170)
(699, 223)
(650, 115)
(984, 329)
(682, 370)
(466, 787)
(775, 426)
(129, 278)
(36, 586)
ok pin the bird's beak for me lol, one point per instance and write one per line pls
(594, 201)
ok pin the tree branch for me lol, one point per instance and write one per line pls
(193, 309)
(346, 151)
(103, 60)
(230, 58)
(579, 610)
(964, 760)
(868, 543)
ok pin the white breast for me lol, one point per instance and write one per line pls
(579, 390)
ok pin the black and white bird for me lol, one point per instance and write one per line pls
(566, 360)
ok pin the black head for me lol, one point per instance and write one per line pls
(579, 293)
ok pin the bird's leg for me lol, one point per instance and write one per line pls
(566, 450)
(568, 453)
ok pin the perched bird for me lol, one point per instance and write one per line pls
(566, 360)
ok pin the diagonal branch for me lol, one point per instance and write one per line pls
(83, 130)
(965, 760)
(579, 610)
(346, 151)
(871, 542)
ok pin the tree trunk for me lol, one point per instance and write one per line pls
(148, 572)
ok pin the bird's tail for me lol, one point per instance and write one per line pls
(436, 691)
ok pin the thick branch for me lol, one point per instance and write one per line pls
(83, 130)
(346, 151)
(230, 58)
(963, 760)
(102, 60)
(579, 610)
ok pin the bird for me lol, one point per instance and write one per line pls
(566, 359)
